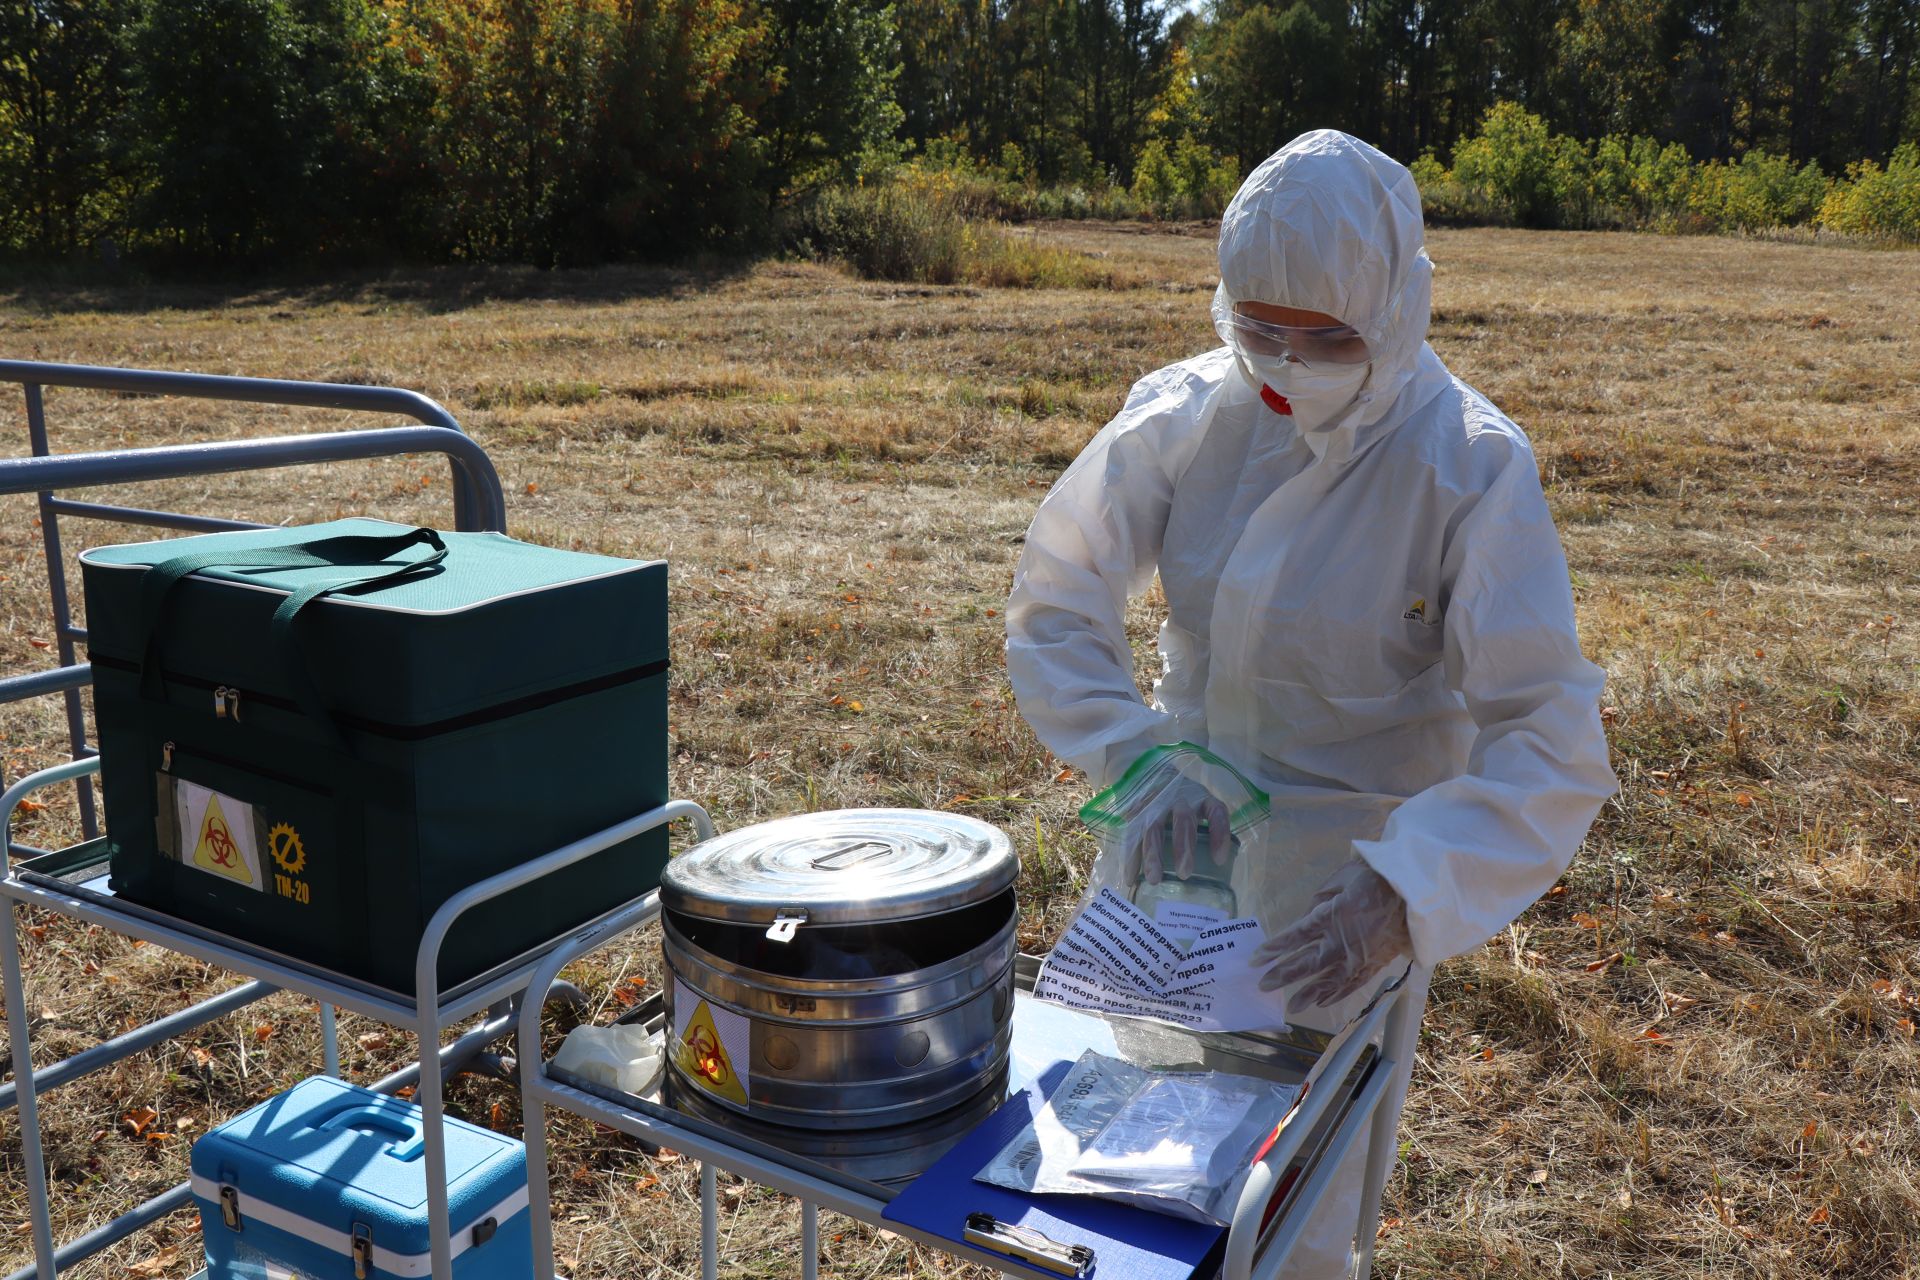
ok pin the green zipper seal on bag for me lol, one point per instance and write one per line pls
(1109, 812)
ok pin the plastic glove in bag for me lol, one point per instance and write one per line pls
(1177, 1143)
(622, 1056)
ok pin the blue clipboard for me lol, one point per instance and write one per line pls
(1129, 1243)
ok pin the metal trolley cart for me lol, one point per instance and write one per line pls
(73, 882)
(1362, 1075)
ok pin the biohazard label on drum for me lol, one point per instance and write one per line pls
(217, 835)
(711, 1045)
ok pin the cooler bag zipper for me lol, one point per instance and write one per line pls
(227, 699)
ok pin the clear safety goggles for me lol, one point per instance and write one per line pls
(1316, 345)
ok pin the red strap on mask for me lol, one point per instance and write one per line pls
(1275, 401)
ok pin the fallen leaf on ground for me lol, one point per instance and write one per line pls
(158, 1265)
(139, 1120)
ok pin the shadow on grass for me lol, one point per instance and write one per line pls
(58, 289)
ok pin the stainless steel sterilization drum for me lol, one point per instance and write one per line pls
(843, 969)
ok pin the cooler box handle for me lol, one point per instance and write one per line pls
(403, 1125)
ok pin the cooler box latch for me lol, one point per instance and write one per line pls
(362, 1251)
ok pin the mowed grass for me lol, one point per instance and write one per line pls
(1697, 1057)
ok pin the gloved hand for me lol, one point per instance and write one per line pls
(1356, 925)
(1172, 824)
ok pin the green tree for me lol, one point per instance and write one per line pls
(249, 120)
(1610, 75)
(676, 161)
(1264, 74)
(515, 92)
(63, 88)
(833, 114)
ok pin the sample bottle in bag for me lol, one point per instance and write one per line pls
(1209, 886)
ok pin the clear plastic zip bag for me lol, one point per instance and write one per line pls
(1170, 831)
(1179, 1143)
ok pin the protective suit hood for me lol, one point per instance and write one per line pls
(1331, 224)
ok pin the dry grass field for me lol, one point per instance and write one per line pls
(1697, 1057)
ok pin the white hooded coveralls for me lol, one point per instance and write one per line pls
(1374, 622)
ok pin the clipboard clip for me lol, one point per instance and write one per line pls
(1028, 1245)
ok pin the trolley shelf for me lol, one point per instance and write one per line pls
(1359, 1078)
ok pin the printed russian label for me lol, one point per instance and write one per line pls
(1113, 960)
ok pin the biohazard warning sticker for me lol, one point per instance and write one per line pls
(217, 834)
(711, 1045)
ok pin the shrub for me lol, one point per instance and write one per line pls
(1759, 192)
(1186, 180)
(1871, 201)
(1612, 176)
(1448, 203)
(1659, 178)
(1570, 179)
(913, 232)
(888, 231)
(1512, 163)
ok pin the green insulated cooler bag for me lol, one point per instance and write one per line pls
(310, 738)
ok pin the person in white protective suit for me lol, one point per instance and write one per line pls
(1368, 609)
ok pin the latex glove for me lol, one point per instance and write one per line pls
(1356, 925)
(1176, 816)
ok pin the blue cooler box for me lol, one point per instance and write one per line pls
(328, 1181)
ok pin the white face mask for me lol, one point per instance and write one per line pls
(1315, 395)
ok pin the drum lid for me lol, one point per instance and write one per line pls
(846, 866)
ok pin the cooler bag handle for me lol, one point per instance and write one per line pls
(156, 592)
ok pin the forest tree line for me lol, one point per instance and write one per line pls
(585, 130)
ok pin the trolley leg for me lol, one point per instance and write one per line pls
(329, 1041)
(1399, 1044)
(27, 1099)
(433, 1122)
(709, 1224)
(809, 1240)
(533, 1123)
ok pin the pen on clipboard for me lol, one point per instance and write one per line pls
(1028, 1245)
